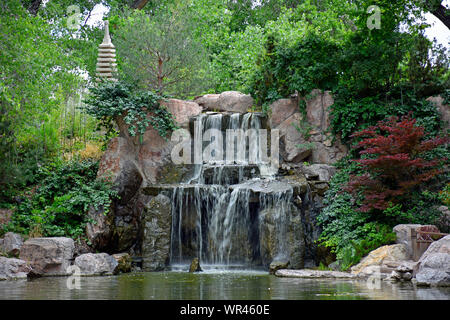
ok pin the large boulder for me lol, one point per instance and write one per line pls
(12, 243)
(317, 109)
(48, 256)
(182, 110)
(157, 222)
(383, 260)
(323, 172)
(293, 145)
(281, 110)
(228, 101)
(434, 265)
(281, 237)
(306, 136)
(96, 264)
(11, 268)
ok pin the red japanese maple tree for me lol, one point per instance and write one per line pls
(393, 160)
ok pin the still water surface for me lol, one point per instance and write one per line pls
(212, 284)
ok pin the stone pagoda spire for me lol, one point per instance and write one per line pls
(106, 62)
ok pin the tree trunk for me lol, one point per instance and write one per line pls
(139, 4)
(33, 8)
(443, 14)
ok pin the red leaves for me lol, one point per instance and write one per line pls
(394, 161)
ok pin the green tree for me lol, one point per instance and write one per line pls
(159, 52)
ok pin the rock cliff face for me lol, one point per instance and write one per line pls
(132, 164)
(306, 136)
(141, 220)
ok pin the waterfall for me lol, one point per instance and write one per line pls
(215, 213)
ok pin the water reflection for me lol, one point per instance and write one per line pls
(238, 285)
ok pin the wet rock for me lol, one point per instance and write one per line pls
(195, 266)
(281, 235)
(12, 242)
(277, 265)
(48, 256)
(96, 264)
(124, 262)
(12, 269)
(157, 222)
(434, 265)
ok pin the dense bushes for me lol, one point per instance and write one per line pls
(384, 188)
(58, 205)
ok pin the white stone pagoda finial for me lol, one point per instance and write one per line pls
(107, 38)
(106, 62)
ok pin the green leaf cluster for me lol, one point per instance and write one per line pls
(58, 205)
(111, 100)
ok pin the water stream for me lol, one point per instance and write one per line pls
(215, 212)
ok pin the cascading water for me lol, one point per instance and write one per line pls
(215, 212)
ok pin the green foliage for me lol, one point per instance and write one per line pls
(58, 206)
(160, 52)
(112, 100)
(352, 234)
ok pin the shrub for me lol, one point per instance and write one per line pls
(139, 109)
(349, 233)
(393, 160)
(58, 206)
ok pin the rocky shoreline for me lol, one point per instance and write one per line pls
(46, 257)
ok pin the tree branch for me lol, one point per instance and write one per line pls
(443, 14)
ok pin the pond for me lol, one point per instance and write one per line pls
(212, 285)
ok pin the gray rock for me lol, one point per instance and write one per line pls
(277, 265)
(157, 222)
(313, 274)
(334, 266)
(96, 264)
(231, 101)
(124, 262)
(434, 265)
(208, 101)
(323, 171)
(11, 268)
(12, 243)
(48, 256)
(272, 246)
